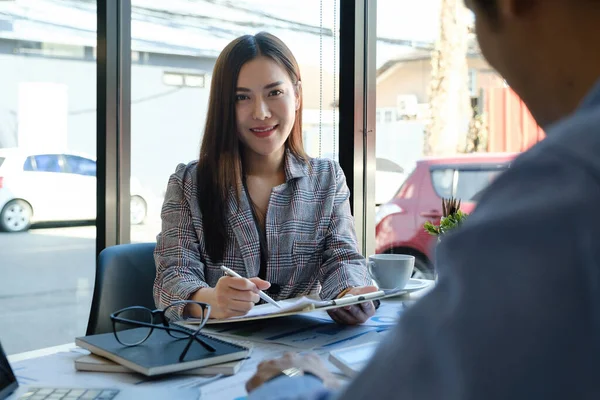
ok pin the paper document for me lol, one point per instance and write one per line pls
(295, 304)
(299, 331)
(58, 369)
(232, 388)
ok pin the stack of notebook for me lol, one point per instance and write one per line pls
(159, 354)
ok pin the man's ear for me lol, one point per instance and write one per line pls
(510, 9)
(298, 93)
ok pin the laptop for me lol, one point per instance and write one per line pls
(10, 389)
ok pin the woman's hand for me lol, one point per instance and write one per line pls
(232, 297)
(355, 314)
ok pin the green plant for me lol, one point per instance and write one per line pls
(452, 217)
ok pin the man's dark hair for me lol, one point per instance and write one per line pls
(490, 7)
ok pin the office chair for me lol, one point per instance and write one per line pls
(124, 277)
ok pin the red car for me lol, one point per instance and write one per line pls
(399, 222)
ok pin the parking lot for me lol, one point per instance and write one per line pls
(46, 283)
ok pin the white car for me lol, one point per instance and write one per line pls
(44, 187)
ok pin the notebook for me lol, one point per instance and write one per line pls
(159, 354)
(10, 388)
(94, 363)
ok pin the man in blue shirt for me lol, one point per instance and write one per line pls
(516, 311)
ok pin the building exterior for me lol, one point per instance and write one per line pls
(510, 126)
(48, 79)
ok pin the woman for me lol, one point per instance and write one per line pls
(255, 202)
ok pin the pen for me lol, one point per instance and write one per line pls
(262, 294)
(366, 296)
(359, 297)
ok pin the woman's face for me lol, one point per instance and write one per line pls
(266, 104)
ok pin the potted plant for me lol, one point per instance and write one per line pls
(452, 217)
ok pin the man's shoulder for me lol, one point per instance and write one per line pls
(558, 176)
(576, 139)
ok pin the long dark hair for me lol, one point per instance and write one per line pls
(220, 164)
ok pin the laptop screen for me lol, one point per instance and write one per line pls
(8, 382)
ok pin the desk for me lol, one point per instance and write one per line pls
(55, 366)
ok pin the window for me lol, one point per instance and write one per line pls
(471, 183)
(473, 82)
(388, 116)
(48, 89)
(407, 189)
(49, 163)
(443, 181)
(170, 94)
(28, 164)
(430, 100)
(465, 184)
(51, 49)
(194, 80)
(81, 166)
(62, 50)
(183, 79)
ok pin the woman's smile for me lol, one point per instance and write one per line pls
(263, 131)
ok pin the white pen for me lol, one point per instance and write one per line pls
(262, 294)
(358, 298)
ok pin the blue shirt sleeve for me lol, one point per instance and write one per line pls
(298, 388)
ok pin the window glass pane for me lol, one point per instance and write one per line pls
(443, 180)
(80, 165)
(431, 83)
(171, 82)
(470, 184)
(47, 227)
(48, 163)
(28, 165)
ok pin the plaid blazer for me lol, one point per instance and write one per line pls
(311, 238)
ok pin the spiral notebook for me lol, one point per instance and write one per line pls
(159, 354)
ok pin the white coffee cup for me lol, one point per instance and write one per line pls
(391, 271)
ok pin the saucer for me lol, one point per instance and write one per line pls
(415, 284)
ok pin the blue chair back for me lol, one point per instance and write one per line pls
(124, 277)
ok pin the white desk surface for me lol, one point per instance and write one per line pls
(54, 366)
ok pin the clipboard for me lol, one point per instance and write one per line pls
(306, 304)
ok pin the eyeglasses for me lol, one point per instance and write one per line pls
(142, 317)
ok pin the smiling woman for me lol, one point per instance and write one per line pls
(255, 202)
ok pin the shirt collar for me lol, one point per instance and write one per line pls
(294, 167)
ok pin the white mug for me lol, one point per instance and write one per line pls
(391, 271)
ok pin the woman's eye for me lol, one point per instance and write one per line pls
(239, 97)
(276, 92)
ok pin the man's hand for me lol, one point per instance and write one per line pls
(268, 370)
(356, 314)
